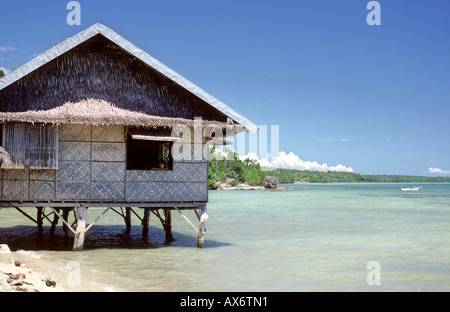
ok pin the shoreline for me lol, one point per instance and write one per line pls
(247, 187)
(21, 278)
(243, 186)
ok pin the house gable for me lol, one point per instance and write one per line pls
(99, 64)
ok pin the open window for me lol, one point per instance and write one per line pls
(149, 149)
(29, 145)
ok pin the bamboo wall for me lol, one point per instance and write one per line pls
(92, 167)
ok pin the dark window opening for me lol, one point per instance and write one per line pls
(148, 154)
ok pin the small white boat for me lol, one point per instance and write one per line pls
(411, 188)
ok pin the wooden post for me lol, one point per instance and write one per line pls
(39, 219)
(81, 216)
(54, 223)
(168, 225)
(202, 228)
(128, 220)
(65, 217)
(145, 222)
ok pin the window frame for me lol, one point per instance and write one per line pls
(45, 139)
(149, 141)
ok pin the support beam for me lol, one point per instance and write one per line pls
(186, 218)
(39, 219)
(25, 214)
(55, 221)
(202, 227)
(46, 215)
(145, 222)
(98, 218)
(65, 217)
(168, 226)
(81, 216)
(128, 220)
(136, 214)
(156, 213)
(64, 221)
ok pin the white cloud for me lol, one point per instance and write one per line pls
(6, 48)
(291, 161)
(437, 170)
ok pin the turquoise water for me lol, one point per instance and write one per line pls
(318, 237)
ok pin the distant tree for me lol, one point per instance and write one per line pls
(2, 74)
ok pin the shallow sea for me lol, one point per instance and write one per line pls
(317, 237)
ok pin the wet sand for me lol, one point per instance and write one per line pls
(15, 278)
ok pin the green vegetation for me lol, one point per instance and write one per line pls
(2, 73)
(247, 171)
(250, 172)
(291, 176)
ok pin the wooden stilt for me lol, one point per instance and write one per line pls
(54, 222)
(168, 226)
(65, 217)
(202, 228)
(39, 219)
(81, 216)
(145, 222)
(128, 220)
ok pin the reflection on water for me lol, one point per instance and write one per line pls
(315, 238)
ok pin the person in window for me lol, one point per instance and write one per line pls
(161, 165)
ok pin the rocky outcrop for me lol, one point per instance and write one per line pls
(270, 182)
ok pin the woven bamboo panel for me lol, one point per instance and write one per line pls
(162, 176)
(199, 191)
(42, 190)
(194, 153)
(75, 151)
(73, 171)
(137, 191)
(161, 191)
(108, 151)
(190, 172)
(108, 171)
(108, 191)
(197, 152)
(111, 133)
(15, 189)
(42, 175)
(71, 132)
(73, 190)
(16, 174)
(190, 191)
(138, 176)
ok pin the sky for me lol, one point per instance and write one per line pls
(345, 95)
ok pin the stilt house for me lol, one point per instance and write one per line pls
(86, 123)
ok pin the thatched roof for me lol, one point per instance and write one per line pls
(101, 112)
(5, 159)
(99, 71)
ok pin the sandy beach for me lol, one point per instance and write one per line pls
(16, 276)
(243, 186)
